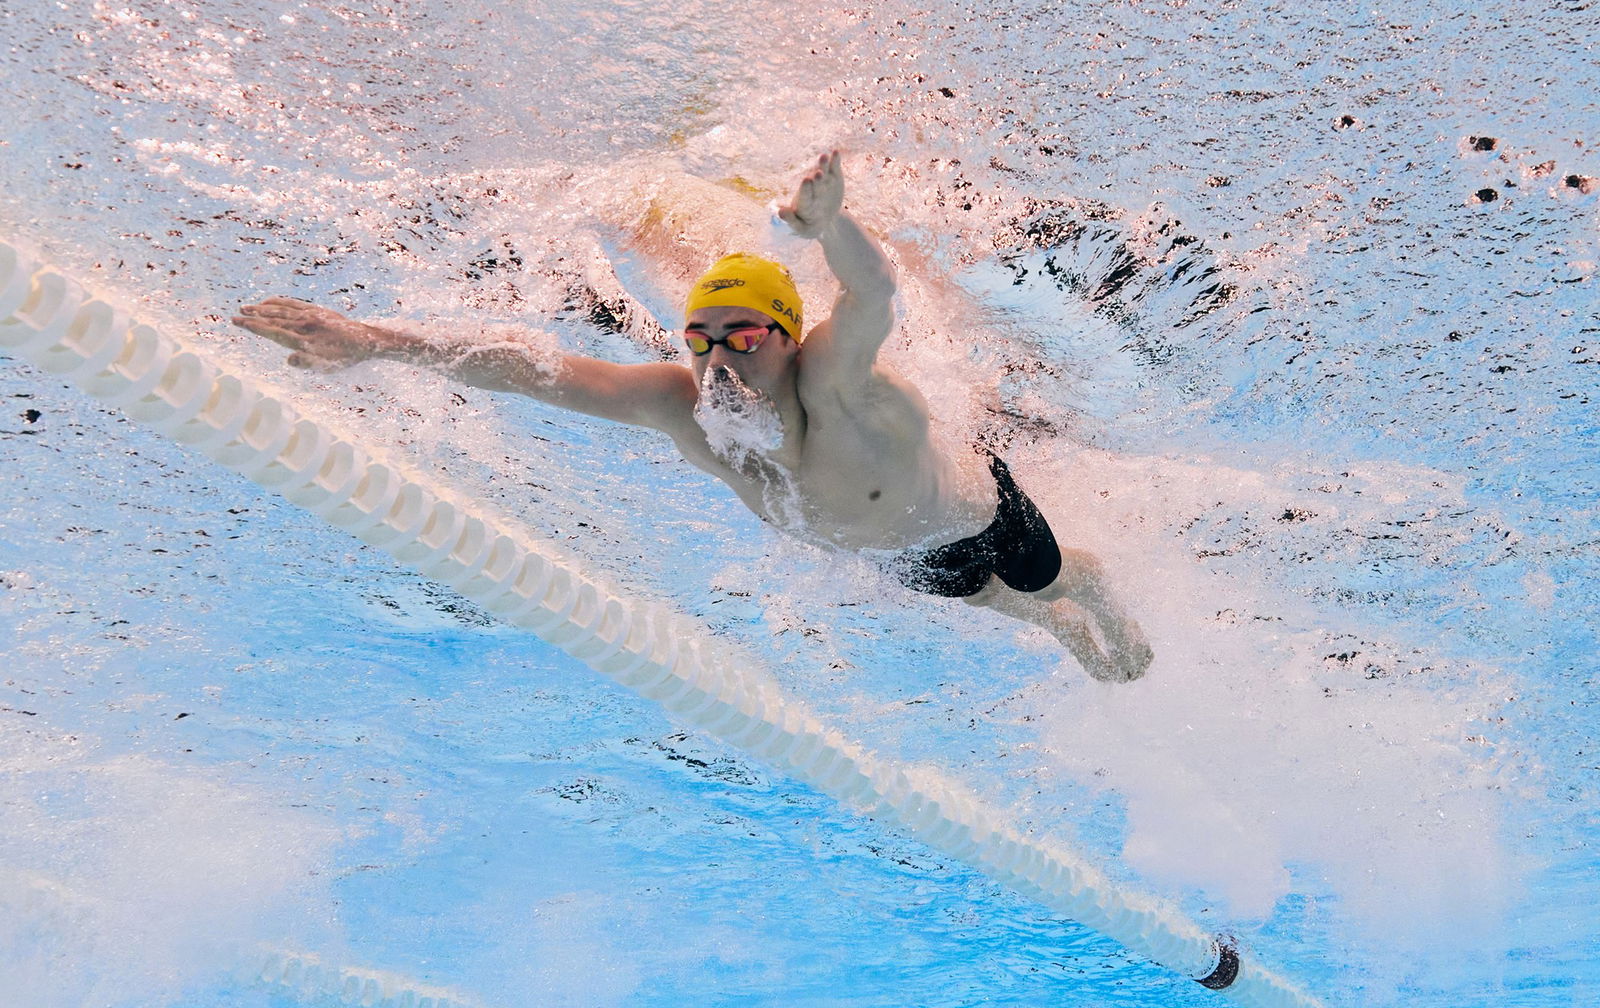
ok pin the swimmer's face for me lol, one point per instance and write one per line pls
(761, 368)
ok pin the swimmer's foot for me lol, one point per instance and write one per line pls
(1106, 641)
(1125, 654)
(1070, 625)
(1131, 652)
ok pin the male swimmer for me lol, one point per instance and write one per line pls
(810, 429)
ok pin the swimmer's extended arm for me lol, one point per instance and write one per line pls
(648, 395)
(864, 313)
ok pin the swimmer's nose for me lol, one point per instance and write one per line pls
(719, 367)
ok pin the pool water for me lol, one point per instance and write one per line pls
(1287, 315)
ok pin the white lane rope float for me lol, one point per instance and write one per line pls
(51, 322)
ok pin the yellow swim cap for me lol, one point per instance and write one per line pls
(746, 281)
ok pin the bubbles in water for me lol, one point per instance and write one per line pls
(740, 423)
(743, 429)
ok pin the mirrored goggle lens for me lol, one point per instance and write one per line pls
(738, 340)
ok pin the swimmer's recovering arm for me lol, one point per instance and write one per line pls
(864, 312)
(649, 395)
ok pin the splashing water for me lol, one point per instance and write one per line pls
(743, 429)
(1286, 312)
(741, 424)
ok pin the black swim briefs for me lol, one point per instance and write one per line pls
(1017, 547)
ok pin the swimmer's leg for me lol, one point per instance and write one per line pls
(1065, 620)
(1083, 582)
(1072, 608)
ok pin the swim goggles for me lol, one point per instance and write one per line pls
(745, 339)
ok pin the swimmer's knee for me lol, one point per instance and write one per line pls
(1081, 577)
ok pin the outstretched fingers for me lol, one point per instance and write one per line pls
(818, 198)
(267, 328)
(282, 309)
(319, 337)
(830, 165)
(826, 164)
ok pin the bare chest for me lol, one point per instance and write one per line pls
(867, 476)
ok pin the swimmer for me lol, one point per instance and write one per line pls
(808, 427)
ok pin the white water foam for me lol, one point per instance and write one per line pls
(743, 429)
(124, 873)
(1268, 754)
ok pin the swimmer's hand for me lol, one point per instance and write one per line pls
(819, 199)
(319, 338)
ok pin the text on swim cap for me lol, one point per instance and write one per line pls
(779, 309)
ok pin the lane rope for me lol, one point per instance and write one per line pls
(54, 324)
(308, 978)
